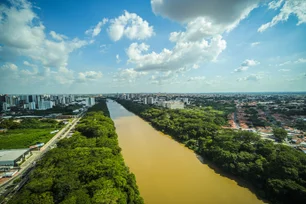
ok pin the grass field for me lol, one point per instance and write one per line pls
(23, 138)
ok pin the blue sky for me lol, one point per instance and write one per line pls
(152, 46)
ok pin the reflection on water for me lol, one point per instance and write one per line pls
(166, 171)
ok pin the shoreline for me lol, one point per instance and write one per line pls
(240, 182)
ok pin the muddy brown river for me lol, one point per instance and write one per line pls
(166, 171)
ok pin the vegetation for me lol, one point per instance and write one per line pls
(27, 132)
(278, 172)
(217, 104)
(14, 139)
(65, 110)
(280, 134)
(86, 168)
(301, 124)
(253, 118)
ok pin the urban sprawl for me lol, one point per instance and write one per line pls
(258, 113)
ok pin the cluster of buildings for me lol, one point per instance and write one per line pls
(156, 99)
(41, 102)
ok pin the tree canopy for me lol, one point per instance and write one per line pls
(280, 134)
(86, 168)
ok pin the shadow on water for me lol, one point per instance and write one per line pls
(239, 181)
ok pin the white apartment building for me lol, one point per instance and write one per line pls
(32, 106)
(6, 107)
(150, 100)
(92, 101)
(173, 104)
(44, 105)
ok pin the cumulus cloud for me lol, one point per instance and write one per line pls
(8, 67)
(275, 4)
(118, 60)
(197, 78)
(255, 44)
(246, 64)
(220, 13)
(183, 55)
(57, 36)
(97, 29)
(17, 29)
(127, 75)
(284, 70)
(22, 34)
(196, 30)
(290, 7)
(251, 77)
(162, 78)
(131, 26)
(298, 61)
(88, 76)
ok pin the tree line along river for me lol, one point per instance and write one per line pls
(168, 172)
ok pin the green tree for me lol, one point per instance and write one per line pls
(280, 134)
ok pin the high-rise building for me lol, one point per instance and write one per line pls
(44, 105)
(150, 100)
(92, 101)
(145, 100)
(32, 106)
(6, 107)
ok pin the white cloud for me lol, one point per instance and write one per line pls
(195, 66)
(284, 70)
(127, 76)
(97, 29)
(183, 56)
(284, 63)
(255, 44)
(196, 30)
(275, 4)
(298, 61)
(88, 76)
(17, 29)
(251, 77)
(301, 76)
(104, 48)
(34, 67)
(223, 14)
(197, 78)
(250, 63)
(57, 36)
(162, 78)
(22, 34)
(246, 64)
(9, 67)
(131, 26)
(290, 7)
(118, 60)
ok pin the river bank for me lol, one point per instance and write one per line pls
(276, 171)
(168, 172)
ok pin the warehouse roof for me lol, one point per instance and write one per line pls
(12, 154)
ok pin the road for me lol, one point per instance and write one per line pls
(37, 155)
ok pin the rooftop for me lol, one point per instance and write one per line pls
(11, 154)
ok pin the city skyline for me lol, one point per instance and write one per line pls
(58, 47)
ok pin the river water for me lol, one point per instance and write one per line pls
(166, 171)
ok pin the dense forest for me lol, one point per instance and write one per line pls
(86, 168)
(277, 172)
